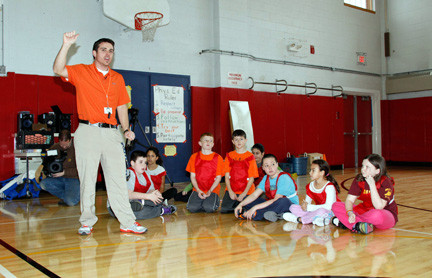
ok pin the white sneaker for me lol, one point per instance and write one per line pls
(288, 216)
(85, 230)
(321, 221)
(136, 228)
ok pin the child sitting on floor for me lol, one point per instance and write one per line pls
(157, 173)
(323, 191)
(145, 200)
(240, 170)
(279, 189)
(375, 188)
(258, 152)
(206, 170)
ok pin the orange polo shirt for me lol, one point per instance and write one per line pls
(94, 92)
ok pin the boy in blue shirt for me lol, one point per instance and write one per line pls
(280, 190)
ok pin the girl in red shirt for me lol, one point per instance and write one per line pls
(157, 173)
(375, 188)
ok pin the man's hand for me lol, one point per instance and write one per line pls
(57, 175)
(70, 38)
(130, 135)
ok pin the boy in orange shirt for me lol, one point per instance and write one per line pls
(240, 170)
(206, 170)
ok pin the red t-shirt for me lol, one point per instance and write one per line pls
(385, 188)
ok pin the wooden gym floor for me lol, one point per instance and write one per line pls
(39, 239)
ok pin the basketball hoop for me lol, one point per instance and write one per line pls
(147, 22)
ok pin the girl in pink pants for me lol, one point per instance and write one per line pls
(322, 190)
(376, 189)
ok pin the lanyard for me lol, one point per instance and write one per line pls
(105, 91)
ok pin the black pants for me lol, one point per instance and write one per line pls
(228, 205)
(169, 193)
(182, 198)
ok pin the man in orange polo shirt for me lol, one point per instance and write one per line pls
(100, 94)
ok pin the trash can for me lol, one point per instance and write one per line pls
(299, 164)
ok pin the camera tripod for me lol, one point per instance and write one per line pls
(133, 122)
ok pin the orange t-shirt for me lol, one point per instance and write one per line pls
(208, 157)
(252, 171)
(92, 89)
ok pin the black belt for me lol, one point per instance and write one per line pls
(97, 124)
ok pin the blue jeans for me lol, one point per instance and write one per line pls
(67, 189)
(280, 206)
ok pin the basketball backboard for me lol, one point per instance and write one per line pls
(124, 12)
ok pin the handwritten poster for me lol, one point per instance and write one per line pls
(169, 113)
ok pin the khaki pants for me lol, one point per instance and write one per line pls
(104, 145)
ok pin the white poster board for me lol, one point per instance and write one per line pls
(169, 112)
(241, 119)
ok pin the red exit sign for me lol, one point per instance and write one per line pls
(361, 58)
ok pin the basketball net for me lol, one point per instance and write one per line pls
(147, 22)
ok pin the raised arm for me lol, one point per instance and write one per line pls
(59, 66)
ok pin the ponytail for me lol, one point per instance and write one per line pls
(331, 179)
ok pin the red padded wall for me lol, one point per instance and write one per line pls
(407, 126)
(8, 126)
(385, 128)
(282, 123)
(203, 115)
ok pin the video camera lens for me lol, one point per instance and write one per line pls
(55, 167)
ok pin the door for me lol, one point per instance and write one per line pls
(357, 130)
(175, 154)
(171, 123)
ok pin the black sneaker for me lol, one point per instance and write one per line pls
(363, 228)
(173, 209)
